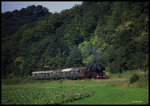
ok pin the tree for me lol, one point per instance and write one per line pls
(74, 59)
(91, 33)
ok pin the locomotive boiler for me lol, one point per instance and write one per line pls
(90, 72)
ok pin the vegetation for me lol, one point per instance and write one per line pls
(47, 95)
(116, 90)
(134, 78)
(115, 95)
(114, 34)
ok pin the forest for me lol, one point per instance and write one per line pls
(112, 33)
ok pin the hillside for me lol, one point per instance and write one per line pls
(114, 34)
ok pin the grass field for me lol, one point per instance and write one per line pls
(115, 90)
(105, 94)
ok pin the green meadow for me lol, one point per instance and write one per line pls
(114, 90)
(115, 95)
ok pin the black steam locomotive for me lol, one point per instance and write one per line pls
(90, 72)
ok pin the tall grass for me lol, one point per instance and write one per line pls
(143, 81)
(124, 74)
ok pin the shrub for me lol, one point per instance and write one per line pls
(135, 77)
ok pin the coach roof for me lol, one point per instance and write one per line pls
(37, 72)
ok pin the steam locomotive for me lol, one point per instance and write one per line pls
(90, 72)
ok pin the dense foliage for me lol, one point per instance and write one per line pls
(114, 34)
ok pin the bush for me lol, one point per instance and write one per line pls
(134, 78)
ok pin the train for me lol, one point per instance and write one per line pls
(90, 72)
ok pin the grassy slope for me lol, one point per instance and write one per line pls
(111, 91)
(118, 90)
(114, 95)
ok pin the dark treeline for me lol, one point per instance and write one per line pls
(114, 34)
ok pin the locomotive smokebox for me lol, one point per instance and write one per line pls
(95, 72)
